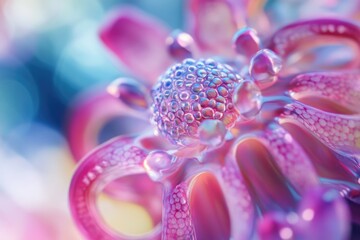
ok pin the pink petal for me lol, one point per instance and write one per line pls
(241, 208)
(138, 41)
(116, 159)
(290, 158)
(337, 131)
(340, 87)
(326, 162)
(305, 40)
(213, 23)
(269, 188)
(177, 222)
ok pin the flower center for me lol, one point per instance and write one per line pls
(191, 92)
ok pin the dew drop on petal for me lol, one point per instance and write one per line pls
(264, 68)
(246, 42)
(212, 132)
(130, 92)
(156, 162)
(247, 100)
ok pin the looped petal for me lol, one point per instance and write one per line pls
(318, 44)
(117, 159)
(91, 113)
(213, 24)
(138, 41)
(342, 88)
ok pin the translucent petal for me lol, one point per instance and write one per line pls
(116, 159)
(342, 88)
(213, 24)
(338, 131)
(138, 41)
(318, 44)
(290, 157)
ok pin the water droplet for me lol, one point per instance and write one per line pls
(184, 95)
(211, 93)
(264, 68)
(130, 92)
(247, 99)
(246, 42)
(180, 45)
(201, 73)
(212, 132)
(189, 118)
(156, 163)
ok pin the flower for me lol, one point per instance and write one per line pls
(249, 143)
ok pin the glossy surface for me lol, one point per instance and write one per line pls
(279, 164)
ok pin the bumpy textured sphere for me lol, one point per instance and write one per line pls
(191, 92)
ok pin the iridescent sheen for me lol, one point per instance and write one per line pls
(256, 148)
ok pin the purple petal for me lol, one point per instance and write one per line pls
(273, 226)
(323, 215)
(116, 159)
(138, 41)
(308, 38)
(213, 24)
(337, 131)
(290, 157)
(340, 87)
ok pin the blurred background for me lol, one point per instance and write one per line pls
(49, 54)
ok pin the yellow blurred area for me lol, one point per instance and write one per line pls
(124, 217)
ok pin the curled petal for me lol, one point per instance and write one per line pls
(138, 41)
(242, 212)
(290, 157)
(331, 169)
(117, 159)
(91, 113)
(177, 222)
(299, 37)
(269, 188)
(213, 24)
(340, 87)
(337, 131)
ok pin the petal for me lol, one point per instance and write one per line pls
(242, 211)
(208, 208)
(138, 41)
(116, 159)
(177, 222)
(213, 24)
(269, 188)
(324, 215)
(329, 167)
(90, 115)
(290, 158)
(337, 131)
(342, 88)
(318, 44)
